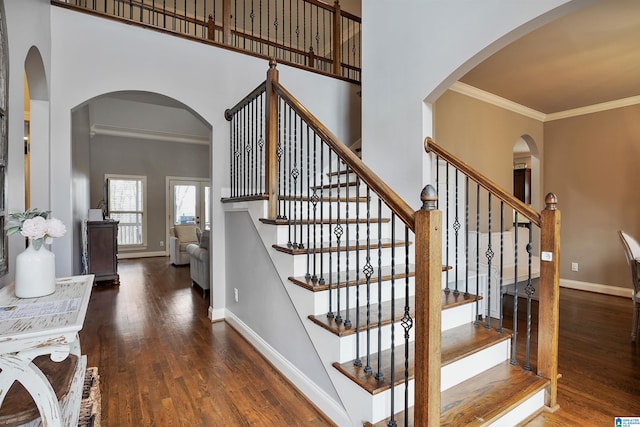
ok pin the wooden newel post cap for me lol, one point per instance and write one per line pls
(429, 198)
(551, 202)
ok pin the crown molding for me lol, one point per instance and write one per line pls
(148, 134)
(498, 101)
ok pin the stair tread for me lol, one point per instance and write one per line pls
(457, 343)
(330, 324)
(341, 278)
(362, 245)
(482, 399)
(323, 221)
(361, 199)
(316, 286)
(336, 185)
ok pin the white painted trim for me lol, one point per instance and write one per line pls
(215, 315)
(332, 409)
(127, 255)
(498, 101)
(597, 287)
(596, 108)
(147, 134)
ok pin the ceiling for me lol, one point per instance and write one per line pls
(585, 58)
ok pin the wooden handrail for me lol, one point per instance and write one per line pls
(390, 197)
(230, 112)
(486, 183)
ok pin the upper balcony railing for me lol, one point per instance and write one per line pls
(305, 33)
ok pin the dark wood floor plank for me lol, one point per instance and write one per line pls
(163, 363)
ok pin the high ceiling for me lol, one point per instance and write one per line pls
(582, 59)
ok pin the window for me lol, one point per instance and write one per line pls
(126, 202)
(4, 67)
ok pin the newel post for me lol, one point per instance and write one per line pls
(210, 28)
(428, 235)
(337, 38)
(271, 140)
(548, 320)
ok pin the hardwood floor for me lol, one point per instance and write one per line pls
(163, 363)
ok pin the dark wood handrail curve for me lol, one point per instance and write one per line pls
(390, 197)
(230, 112)
(431, 147)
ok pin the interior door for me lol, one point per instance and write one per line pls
(190, 202)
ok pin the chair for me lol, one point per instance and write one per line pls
(199, 264)
(632, 251)
(180, 236)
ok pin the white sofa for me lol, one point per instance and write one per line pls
(199, 262)
(509, 263)
(180, 236)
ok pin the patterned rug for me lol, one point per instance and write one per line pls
(90, 404)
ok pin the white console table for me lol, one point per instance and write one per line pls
(46, 325)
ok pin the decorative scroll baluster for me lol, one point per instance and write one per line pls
(368, 271)
(392, 380)
(489, 254)
(456, 229)
(330, 314)
(357, 361)
(529, 290)
(347, 320)
(514, 340)
(379, 375)
(446, 286)
(281, 165)
(321, 280)
(338, 231)
(310, 201)
(407, 324)
(500, 325)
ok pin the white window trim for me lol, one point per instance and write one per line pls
(142, 178)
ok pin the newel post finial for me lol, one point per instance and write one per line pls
(551, 202)
(429, 198)
(272, 62)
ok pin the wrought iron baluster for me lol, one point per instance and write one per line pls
(289, 176)
(368, 271)
(301, 194)
(514, 360)
(279, 154)
(338, 231)
(347, 320)
(379, 374)
(357, 361)
(529, 290)
(330, 220)
(407, 324)
(477, 303)
(314, 202)
(456, 229)
(261, 144)
(446, 286)
(321, 280)
(309, 202)
(392, 362)
(489, 254)
(501, 319)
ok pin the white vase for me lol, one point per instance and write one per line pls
(35, 272)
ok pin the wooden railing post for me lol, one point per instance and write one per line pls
(312, 58)
(226, 22)
(548, 314)
(337, 38)
(271, 131)
(210, 28)
(428, 279)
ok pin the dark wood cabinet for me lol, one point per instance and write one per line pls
(522, 185)
(102, 250)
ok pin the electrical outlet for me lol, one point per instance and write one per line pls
(574, 266)
(235, 294)
(161, 243)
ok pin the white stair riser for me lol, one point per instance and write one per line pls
(312, 234)
(347, 260)
(522, 411)
(461, 370)
(457, 316)
(347, 344)
(321, 299)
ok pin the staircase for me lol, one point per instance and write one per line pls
(479, 385)
(344, 247)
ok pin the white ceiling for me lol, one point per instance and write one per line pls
(585, 58)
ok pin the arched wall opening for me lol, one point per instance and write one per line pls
(135, 133)
(37, 185)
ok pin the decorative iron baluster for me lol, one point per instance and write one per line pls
(368, 271)
(261, 143)
(501, 319)
(514, 341)
(477, 303)
(310, 201)
(279, 153)
(392, 379)
(338, 231)
(456, 228)
(529, 290)
(330, 314)
(301, 190)
(379, 374)
(321, 280)
(489, 254)
(347, 320)
(295, 174)
(357, 361)
(446, 286)
(407, 324)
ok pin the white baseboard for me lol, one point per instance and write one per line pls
(125, 255)
(315, 394)
(216, 315)
(596, 287)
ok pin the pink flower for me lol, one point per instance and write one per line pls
(34, 228)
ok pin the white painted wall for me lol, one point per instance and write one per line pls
(440, 41)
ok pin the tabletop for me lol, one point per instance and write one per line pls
(52, 319)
